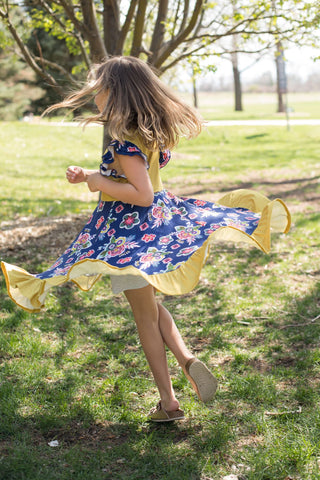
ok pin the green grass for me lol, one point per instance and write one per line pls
(220, 106)
(76, 373)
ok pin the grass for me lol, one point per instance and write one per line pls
(75, 373)
(220, 106)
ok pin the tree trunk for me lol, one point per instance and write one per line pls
(194, 90)
(111, 25)
(237, 84)
(281, 78)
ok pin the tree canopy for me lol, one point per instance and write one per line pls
(162, 32)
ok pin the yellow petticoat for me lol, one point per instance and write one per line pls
(29, 292)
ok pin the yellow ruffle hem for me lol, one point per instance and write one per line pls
(29, 292)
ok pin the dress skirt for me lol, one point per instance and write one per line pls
(165, 244)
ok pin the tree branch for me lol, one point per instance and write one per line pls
(125, 27)
(170, 46)
(159, 30)
(138, 28)
(111, 24)
(185, 16)
(76, 34)
(27, 55)
(91, 31)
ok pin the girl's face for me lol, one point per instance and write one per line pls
(101, 99)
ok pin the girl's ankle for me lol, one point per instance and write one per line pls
(170, 405)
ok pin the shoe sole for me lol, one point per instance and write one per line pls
(166, 420)
(202, 380)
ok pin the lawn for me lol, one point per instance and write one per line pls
(75, 373)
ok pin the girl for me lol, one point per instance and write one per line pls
(144, 237)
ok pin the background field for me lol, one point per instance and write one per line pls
(75, 373)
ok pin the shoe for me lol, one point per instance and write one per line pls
(202, 380)
(159, 414)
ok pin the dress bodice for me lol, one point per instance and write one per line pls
(154, 160)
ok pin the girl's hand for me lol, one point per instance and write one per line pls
(76, 174)
(94, 180)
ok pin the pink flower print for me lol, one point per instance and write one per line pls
(152, 257)
(133, 149)
(193, 216)
(199, 203)
(111, 232)
(69, 260)
(99, 222)
(187, 234)
(119, 208)
(167, 260)
(201, 223)
(175, 246)
(178, 211)
(86, 255)
(165, 240)
(161, 213)
(116, 247)
(58, 262)
(130, 220)
(61, 271)
(186, 251)
(239, 225)
(176, 199)
(82, 242)
(213, 228)
(144, 226)
(124, 260)
(148, 237)
(89, 221)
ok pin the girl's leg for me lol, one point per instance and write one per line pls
(172, 337)
(146, 314)
(201, 379)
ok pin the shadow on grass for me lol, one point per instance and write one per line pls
(299, 189)
(93, 409)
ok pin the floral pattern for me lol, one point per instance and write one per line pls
(156, 239)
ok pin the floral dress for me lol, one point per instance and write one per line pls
(166, 243)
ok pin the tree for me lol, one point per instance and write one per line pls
(292, 22)
(163, 32)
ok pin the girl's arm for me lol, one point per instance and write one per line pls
(138, 190)
(76, 174)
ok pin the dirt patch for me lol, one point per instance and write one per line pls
(41, 239)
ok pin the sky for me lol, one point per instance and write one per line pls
(298, 61)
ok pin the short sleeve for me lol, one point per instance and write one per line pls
(165, 157)
(125, 148)
(128, 148)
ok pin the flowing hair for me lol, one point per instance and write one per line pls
(137, 103)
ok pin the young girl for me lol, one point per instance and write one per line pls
(144, 237)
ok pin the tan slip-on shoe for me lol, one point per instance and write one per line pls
(159, 414)
(202, 380)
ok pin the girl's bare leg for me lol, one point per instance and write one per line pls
(201, 379)
(146, 314)
(172, 337)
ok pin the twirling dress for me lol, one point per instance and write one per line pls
(166, 243)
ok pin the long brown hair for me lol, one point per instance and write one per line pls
(138, 103)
